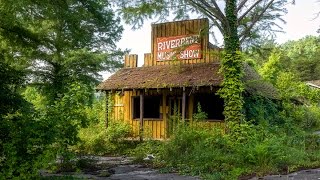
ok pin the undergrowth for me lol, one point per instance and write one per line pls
(247, 149)
(99, 140)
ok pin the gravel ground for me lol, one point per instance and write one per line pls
(120, 168)
(123, 168)
(310, 174)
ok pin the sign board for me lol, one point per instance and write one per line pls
(178, 47)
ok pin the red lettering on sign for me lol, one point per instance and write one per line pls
(178, 47)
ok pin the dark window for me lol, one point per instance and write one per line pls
(151, 107)
(210, 104)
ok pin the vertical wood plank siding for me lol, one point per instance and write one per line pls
(153, 128)
(130, 60)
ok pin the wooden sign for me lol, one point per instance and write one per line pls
(178, 47)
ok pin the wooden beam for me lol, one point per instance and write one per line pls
(141, 115)
(183, 105)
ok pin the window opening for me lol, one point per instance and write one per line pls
(151, 107)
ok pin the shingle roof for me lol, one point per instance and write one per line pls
(182, 75)
(164, 76)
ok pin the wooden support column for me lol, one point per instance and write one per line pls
(141, 115)
(107, 110)
(183, 105)
(164, 114)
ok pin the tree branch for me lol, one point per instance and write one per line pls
(248, 10)
(218, 9)
(208, 13)
(213, 10)
(244, 34)
(242, 3)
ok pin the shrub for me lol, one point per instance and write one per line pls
(99, 140)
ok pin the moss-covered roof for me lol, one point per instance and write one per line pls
(181, 75)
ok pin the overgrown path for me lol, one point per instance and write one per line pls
(116, 168)
(123, 168)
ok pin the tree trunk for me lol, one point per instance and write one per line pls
(232, 67)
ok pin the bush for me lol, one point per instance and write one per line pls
(99, 140)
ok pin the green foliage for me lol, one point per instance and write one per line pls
(174, 120)
(97, 138)
(23, 136)
(298, 57)
(262, 110)
(22, 148)
(199, 115)
(245, 150)
(33, 96)
(61, 46)
(117, 131)
(270, 70)
(11, 80)
(303, 57)
(68, 115)
(233, 87)
(72, 41)
(146, 148)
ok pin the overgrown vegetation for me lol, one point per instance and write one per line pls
(247, 149)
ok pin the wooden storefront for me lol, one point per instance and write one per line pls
(180, 72)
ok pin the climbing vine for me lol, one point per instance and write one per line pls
(232, 68)
(233, 87)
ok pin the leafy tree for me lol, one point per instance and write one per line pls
(303, 57)
(23, 137)
(77, 40)
(271, 69)
(53, 45)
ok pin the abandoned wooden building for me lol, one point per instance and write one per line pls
(181, 72)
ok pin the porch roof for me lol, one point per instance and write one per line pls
(182, 75)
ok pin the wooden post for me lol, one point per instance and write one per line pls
(141, 115)
(164, 115)
(130, 61)
(106, 115)
(147, 60)
(183, 105)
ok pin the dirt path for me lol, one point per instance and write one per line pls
(119, 168)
